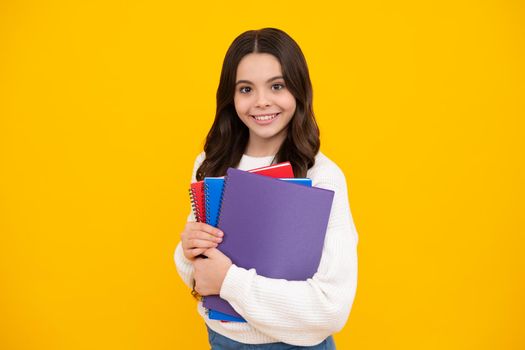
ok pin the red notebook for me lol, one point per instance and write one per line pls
(280, 170)
(197, 201)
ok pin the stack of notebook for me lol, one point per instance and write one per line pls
(214, 190)
(273, 225)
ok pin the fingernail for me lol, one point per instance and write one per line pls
(221, 233)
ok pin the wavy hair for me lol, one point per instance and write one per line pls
(228, 137)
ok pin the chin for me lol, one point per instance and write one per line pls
(267, 135)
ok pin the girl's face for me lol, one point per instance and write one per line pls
(262, 100)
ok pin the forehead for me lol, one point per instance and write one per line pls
(258, 66)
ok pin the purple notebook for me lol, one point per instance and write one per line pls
(275, 227)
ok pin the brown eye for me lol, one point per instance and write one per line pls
(278, 86)
(243, 89)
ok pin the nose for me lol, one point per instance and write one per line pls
(262, 100)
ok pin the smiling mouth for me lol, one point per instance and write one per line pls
(265, 117)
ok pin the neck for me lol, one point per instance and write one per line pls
(258, 147)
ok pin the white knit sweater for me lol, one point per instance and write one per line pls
(300, 313)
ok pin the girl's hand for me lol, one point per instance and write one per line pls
(198, 237)
(210, 273)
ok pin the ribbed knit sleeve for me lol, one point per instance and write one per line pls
(304, 312)
(184, 266)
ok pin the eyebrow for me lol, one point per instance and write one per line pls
(249, 82)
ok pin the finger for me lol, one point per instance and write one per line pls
(189, 225)
(191, 239)
(213, 253)
(201, 226)
(189, 244)
(197, 251)
(200, 235)
(200, 291)
(201, 243)
(205, 236)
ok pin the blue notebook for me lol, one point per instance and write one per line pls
(212, 198)
(216, 315)
(213, 189)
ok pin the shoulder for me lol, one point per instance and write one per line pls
(325, 167)
(199, 159)
(326, 173)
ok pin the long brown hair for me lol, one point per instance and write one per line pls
(228, 136)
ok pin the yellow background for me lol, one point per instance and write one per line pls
(105, 104)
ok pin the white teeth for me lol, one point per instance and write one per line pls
(266, 117)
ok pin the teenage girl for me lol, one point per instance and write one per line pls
(264, 115)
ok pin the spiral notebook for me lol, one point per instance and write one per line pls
(197, 201)
(276, 227)
(213, 189)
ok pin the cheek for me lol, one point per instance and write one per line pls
(288, 101)
(241, 105)
(291, 107)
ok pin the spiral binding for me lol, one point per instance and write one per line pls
(206, 202)
(222, 198)
(197, 211)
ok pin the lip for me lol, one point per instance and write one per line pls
(260, 115)
(265, 122)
